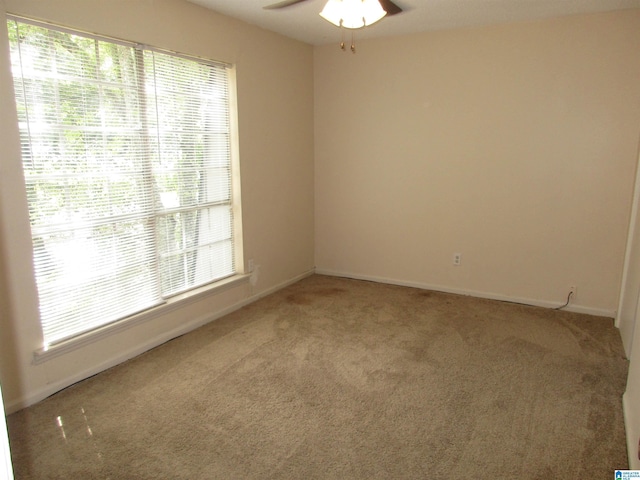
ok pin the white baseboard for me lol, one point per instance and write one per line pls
(471, 293)
(51, 388)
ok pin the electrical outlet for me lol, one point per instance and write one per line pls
(457, 259)
(573, 291)
(251, 265)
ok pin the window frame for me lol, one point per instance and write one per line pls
(196, 292)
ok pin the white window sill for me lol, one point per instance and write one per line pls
(43, 354)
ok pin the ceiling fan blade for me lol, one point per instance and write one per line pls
(282, 4)
(390, 7)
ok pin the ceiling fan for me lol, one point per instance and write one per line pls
(387, 5)
(349, 14)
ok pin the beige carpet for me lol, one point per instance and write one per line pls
(342, 379)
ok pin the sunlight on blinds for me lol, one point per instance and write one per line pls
(127, 162)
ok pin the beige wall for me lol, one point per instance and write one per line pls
(9, 171)
(515, 145)
(275, 98)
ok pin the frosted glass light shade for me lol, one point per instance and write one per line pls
(353, 13)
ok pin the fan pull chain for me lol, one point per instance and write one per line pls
(343, 47)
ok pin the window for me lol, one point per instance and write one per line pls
(126, 153)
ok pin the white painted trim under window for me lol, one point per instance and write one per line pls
(44, 354)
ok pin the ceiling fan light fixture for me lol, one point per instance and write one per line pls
(352, 13)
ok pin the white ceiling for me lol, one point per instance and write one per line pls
(302, 22)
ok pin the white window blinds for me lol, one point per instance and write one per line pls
(127, 161)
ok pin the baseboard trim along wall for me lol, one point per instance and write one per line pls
(156, 341)
(471, 293)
